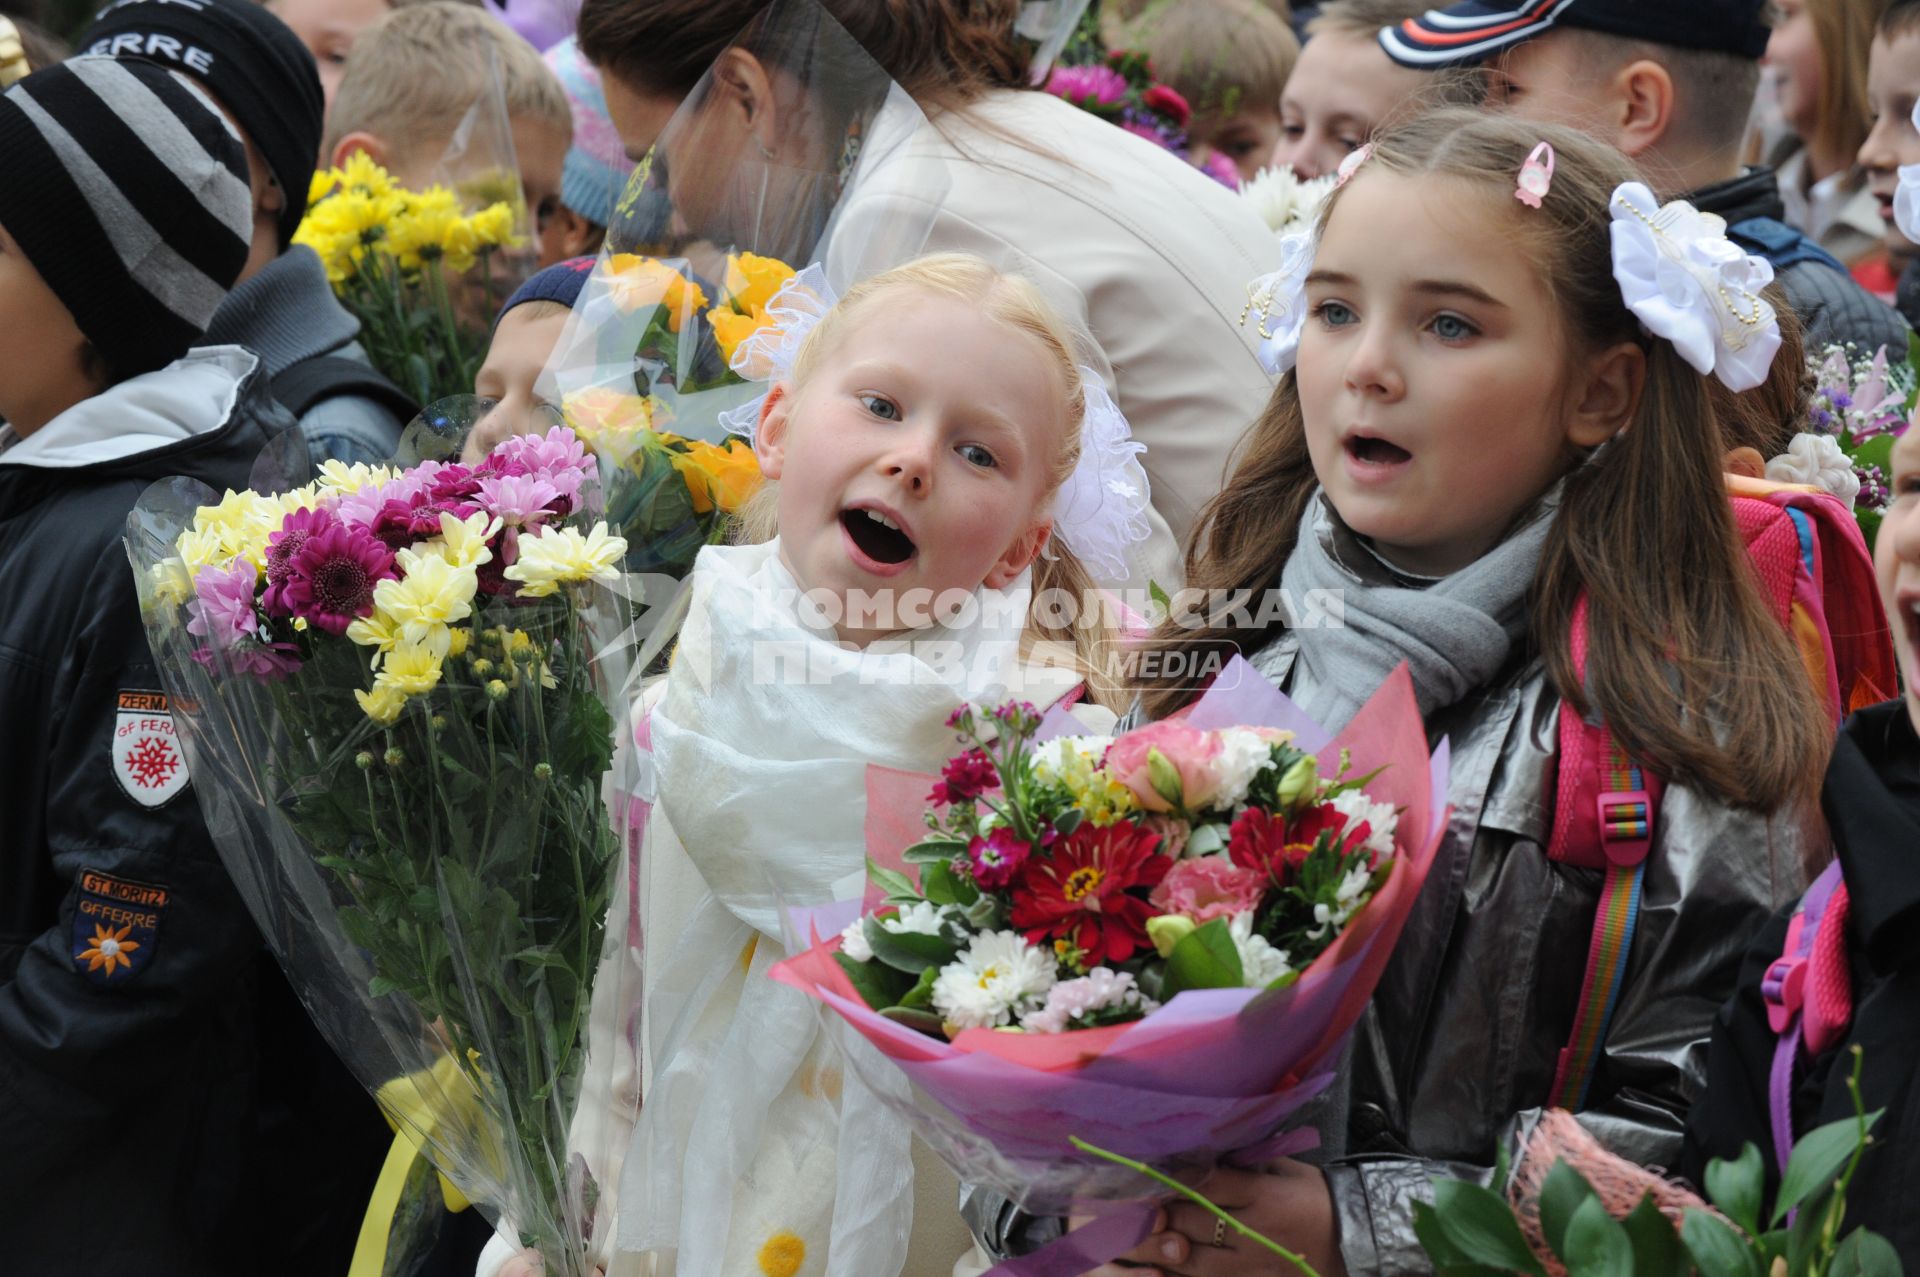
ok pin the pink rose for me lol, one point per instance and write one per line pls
(1208, 888)
(1189, 758)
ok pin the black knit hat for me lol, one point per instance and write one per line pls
(251, 63)
(139, 230)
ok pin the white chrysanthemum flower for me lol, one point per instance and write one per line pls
(555, 556)
(1260, 962)
(1381, 818)
(1243, 755)
(921, 918)
(853, 941)
(1285, 202)
(997, 979)
(1098, 990)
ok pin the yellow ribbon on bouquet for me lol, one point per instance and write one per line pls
(409, 1105)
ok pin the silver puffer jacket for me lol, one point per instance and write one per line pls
(1456, 1054)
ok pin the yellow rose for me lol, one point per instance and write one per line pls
(723, 476)
(634, 282)
(730, 328)
(752, 281)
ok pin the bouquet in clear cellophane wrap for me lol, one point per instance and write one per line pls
(653, 369)
(397, 688)
(1154, 943)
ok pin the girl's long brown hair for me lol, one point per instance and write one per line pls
(1689, 669)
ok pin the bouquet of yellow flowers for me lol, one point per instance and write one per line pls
(397, 692)
(421, 275)
(645, 374)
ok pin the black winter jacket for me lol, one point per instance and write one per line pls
(164, 1106)
(1832, 308)
(1872, 803)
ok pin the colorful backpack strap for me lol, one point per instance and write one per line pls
(1809, 995)
(1603, 819)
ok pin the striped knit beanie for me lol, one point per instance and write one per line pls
(140, 231)
(596, 169)
(250, 61)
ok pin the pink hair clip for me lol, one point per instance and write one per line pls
(1354, 160)
(1536, 176)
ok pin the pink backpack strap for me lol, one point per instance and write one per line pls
(1603, 819)
(1809, 995)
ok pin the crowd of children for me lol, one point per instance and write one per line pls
(1460, 402)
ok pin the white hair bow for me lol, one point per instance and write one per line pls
(1687, 282)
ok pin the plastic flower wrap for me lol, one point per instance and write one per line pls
(415, 268)
(1154, 943)
(396, 690)
(1860, 407)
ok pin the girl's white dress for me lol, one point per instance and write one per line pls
(754, 1152)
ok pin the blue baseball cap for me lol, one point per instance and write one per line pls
(1470, 33)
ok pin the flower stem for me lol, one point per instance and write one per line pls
(1158, 1177)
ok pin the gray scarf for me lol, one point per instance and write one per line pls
(1455, 632)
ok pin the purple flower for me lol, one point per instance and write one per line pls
(223, 607)
(295, 531)
(996, 858)
(1089, 88)
(965, 778)
(329, 583)
(1874, 493)
(518, 499)
(1221, 169)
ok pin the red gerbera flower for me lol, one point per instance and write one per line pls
(1262, 841)
(1091, 891)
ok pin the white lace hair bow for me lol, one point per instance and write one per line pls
(1906, 200)
(1100, 511)
(1281, 299)
(1687, 282)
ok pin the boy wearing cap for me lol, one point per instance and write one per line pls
(1671, 85)
(130, 1078)
(283, 310)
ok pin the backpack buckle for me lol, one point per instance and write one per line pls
(1785, 990)
(1626, 826)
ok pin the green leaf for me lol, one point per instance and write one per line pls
(878, 984)
(380, 987)
(907, 951)
(1865, 1254)
(920, 996)
(1561, 1195)
(919, 1021)
(1656, 1248)
(1482, 1225)
(1716, 1249)
(1736, 1187)
(1068, 821)
(1159, 595)
(934, 851)
(1432, 1233)
(1205, 958)
(1817, 1160)
(938, 881)
(1595, 1245)
(891, 881)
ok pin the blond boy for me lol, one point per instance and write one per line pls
(1229, 59)
(415, 74)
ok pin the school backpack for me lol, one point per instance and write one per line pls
(1817, 578)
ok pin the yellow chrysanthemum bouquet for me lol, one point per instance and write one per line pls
(421, 274)
(397, 692)
(644, 375)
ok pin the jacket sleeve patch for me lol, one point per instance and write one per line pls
(147, 761)
(116, 926)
